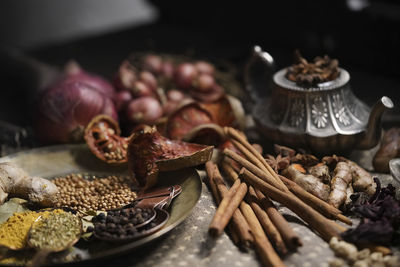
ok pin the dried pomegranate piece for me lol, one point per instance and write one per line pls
(149, 153)
(221, 111)
(183, 120)
(102, 135)
(206, 134)
(210, 96)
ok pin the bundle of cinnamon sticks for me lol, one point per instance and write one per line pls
(247, 207)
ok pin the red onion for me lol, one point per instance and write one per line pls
(64, 110)
(144, 110)
(205, 82)
(204, 67)
(125, 76)
(74, 73)
(185, 74)
(149, 79)
(153, 63)
(121, 99)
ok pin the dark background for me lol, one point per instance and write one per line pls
(363, 34)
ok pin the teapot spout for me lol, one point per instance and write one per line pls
(373, 130)
(258, 73)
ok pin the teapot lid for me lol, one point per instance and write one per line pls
(281, 80)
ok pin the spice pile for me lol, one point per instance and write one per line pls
(332, 179)
(56, 231)
(121, 224)
(348, 255)
(248, 206)
(91, 193)
(305, 73)
(253, 218)
(14, 232)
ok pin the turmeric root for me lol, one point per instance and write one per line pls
(362, 180)
(308, 182)
(321, 171)
(341, 179)
(15, 182)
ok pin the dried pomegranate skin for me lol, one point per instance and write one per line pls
(221, 111)
(102, 135)
(149, 153)
(183, 120)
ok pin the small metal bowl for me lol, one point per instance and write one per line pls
(394, 166)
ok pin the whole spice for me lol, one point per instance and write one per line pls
(14, 232)
(326, 228)
(122, 224)
(15, 182)
(102, 135)
(149, 153)
(229, 203)
(84, 193)
(57, 231)
(349, 253)
(341, 179)
(239, 227)
(308, 182)
(306, 73)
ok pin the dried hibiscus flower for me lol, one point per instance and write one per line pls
(380, 223)
(149, 153)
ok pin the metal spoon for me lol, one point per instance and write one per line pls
(159, 220)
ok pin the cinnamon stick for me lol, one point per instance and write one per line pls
(323, 207)
(263, 247)
(326, 228)
(254, 169)
(230, 172)
(292, 240)
(229, 203)
(269, 228)
(231, 132)
(239, 227)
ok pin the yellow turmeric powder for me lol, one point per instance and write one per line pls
(14, 232)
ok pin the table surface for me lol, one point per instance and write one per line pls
(189, 244)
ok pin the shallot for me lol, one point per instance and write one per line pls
(144, 110)
(153, 63)
(121, 99)
(185, 74)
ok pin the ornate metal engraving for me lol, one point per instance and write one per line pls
(297, 112)
(319, 112)
(339, 110)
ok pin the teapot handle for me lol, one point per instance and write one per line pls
(258, 74)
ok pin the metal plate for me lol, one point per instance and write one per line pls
(49, 162)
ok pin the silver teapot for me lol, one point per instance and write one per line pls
(324, 119)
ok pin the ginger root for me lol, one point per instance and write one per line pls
(15, 182)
